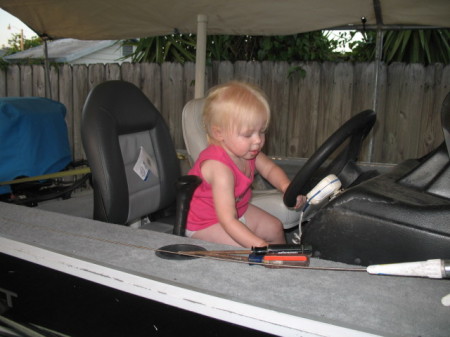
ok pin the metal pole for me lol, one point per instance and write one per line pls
(200, 63)
(376, 91)
(48, 90)
(22, 45)
(378, 54)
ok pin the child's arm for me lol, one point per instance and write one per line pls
(221, 179)
(276, 176)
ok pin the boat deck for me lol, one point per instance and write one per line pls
(284, 302)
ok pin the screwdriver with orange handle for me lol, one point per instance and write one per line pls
(271, 256)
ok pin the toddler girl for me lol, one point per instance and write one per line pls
(236, 117)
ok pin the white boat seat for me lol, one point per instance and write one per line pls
(194, 135)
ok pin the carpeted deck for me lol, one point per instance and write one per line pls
(388, 306)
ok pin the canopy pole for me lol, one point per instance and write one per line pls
(48, 90)
(200, 63)
(376, 87)
(378, 60)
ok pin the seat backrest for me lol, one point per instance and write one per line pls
(194, 133)
(119, 120)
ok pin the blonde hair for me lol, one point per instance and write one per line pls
(235, 105)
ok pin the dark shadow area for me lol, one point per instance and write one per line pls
(77, 307)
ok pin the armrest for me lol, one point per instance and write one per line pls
(186, 186)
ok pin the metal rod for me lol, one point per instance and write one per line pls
(377, 10)
(48, 87)
(226, 252)
(212, 254)
(376, 88)
(382, 27)
(200, 58)
(75, 172)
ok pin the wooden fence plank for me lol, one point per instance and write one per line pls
(80, 92)
(430, 126)
(151, 83)
(378, 132)
(326, 87)
(173, 99)
(363, 99)
(363, 87)
(211, 75)
(415, 90)
(2, 82)
(54, 83)
(13, 81)
(131, 73)
(65, 85)
(26, 80)
(406, 84)
(341, 96)
(305, 110)
(441, 90)
(225, 72)
(112, 72)
(248, 71)
(96, 75)
(38, 81)
(189, 81)
(389, 120)
(275, 83)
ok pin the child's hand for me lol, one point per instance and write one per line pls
(301, 200)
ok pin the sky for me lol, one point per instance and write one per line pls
(16, 26)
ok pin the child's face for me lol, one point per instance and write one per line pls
(245, 142)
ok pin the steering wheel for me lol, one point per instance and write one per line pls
(343, 165)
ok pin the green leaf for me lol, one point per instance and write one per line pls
(297, 70)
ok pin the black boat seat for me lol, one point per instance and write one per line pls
(119, 125)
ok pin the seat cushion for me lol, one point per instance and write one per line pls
(272, 202)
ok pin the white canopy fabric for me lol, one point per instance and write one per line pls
(118, 19)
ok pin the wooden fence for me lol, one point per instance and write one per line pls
(306, 109)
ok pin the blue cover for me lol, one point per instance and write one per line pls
(33, 138)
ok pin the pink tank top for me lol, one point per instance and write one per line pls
(202, 213)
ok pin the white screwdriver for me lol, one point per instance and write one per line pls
(436, 268)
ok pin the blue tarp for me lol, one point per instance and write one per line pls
(33, 138)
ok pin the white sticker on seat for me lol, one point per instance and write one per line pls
(145, 165)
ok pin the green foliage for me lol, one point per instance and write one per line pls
(3, 64)
(314, 46)
(362, 50)
(181, 48)
(231, 48)
(14, 43)
(409, 46)
(297, 70)
(169, 48)
(417, 46)
(14, 46)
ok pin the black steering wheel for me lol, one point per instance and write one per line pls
(343, 165)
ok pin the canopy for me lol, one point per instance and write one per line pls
(118, 19)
